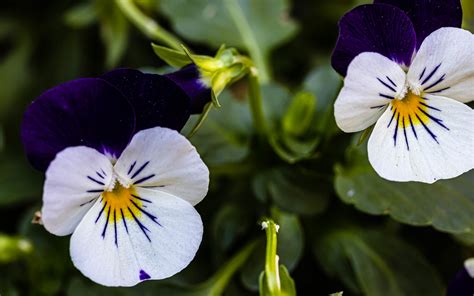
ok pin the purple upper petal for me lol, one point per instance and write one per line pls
(429, 15)
(157, 100)
(461, 285)
(380, 28)
(87, 112)
(188, 78)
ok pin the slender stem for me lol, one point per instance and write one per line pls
(218, 282)
(147, 25)
(249, 39)
(271, 258)
(256, 104)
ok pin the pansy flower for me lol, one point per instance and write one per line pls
(463, 283)
(119, 176)
(409, 71)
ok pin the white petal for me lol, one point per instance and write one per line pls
(372, 81)
(74, 180)
(164, 160)
(440, 146)
(444, 65)
(469, 265)
(157, 241)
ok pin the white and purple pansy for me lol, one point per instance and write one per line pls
(463, 283)
(409, 70)
(119, 176)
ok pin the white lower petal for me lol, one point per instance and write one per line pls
(441, 147)
(444, 65)
(162, 159)
(155, 242)
(74, 180)
(372, 82)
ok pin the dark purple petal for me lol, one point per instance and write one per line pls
(429, 15)
(380, 28)
(157, 100)
(188, 78)
(87, 112)
(461, 285)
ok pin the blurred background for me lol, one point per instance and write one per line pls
(343, 228)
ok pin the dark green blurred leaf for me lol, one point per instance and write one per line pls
(465, 238)
(276, 100)
(81, 15)
(114, 29)
(15, 72)
(50, 259)
(224, 136)
(296, 190)
(19, 183)
(447, 205)
(324, 83)
(375, 263)
(230, 222)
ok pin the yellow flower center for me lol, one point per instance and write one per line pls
(122, 202)
(411, 110)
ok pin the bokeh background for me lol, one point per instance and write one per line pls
(342, 227)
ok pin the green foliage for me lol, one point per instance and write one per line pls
(257, 26)
(447, 205)
(18, 183)
(114, 28)
(376, 263)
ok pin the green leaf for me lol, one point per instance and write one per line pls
(375, 263)
(114, 29)
(225, 136)
(299, 115)
(297, 190)
(324, 83)
(230, 222)
(287, 284)
(15, 72)
(19, 183)
(276, 100)
(81, 15)
(257, 26)
(172, 57)
(447, 205)
(290, 249)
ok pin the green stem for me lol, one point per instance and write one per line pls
(249, 39)
(271, 258)
(147, 25)
(256, 104)
(218, 282)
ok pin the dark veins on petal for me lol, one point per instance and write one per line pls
(429, 15)
(379, 28)
(83, 112)
(156, 99)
